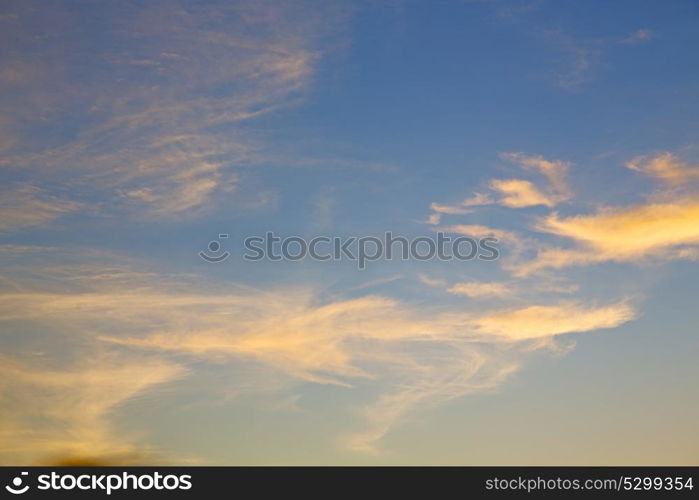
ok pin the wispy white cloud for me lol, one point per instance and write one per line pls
(542, 321)
(65, 415)
(515, 193)
(27, 205)
(581, 58)
(508, 238)
(556, 171)
(449, 209)
(451, 372)
(477, 199)
(417, 355)
(433, 282)
(666, 167)
(158, 113)
(665, 231)
(376, 282)
(476, 289)
(638, 36)
(663, 227)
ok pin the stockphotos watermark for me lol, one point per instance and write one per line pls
(105, 483)
(359, 249)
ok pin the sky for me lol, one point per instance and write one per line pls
(133, 134)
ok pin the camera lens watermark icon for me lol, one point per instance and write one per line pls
(16, 488)
(214, 251)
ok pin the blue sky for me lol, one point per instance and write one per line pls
(132, 134)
